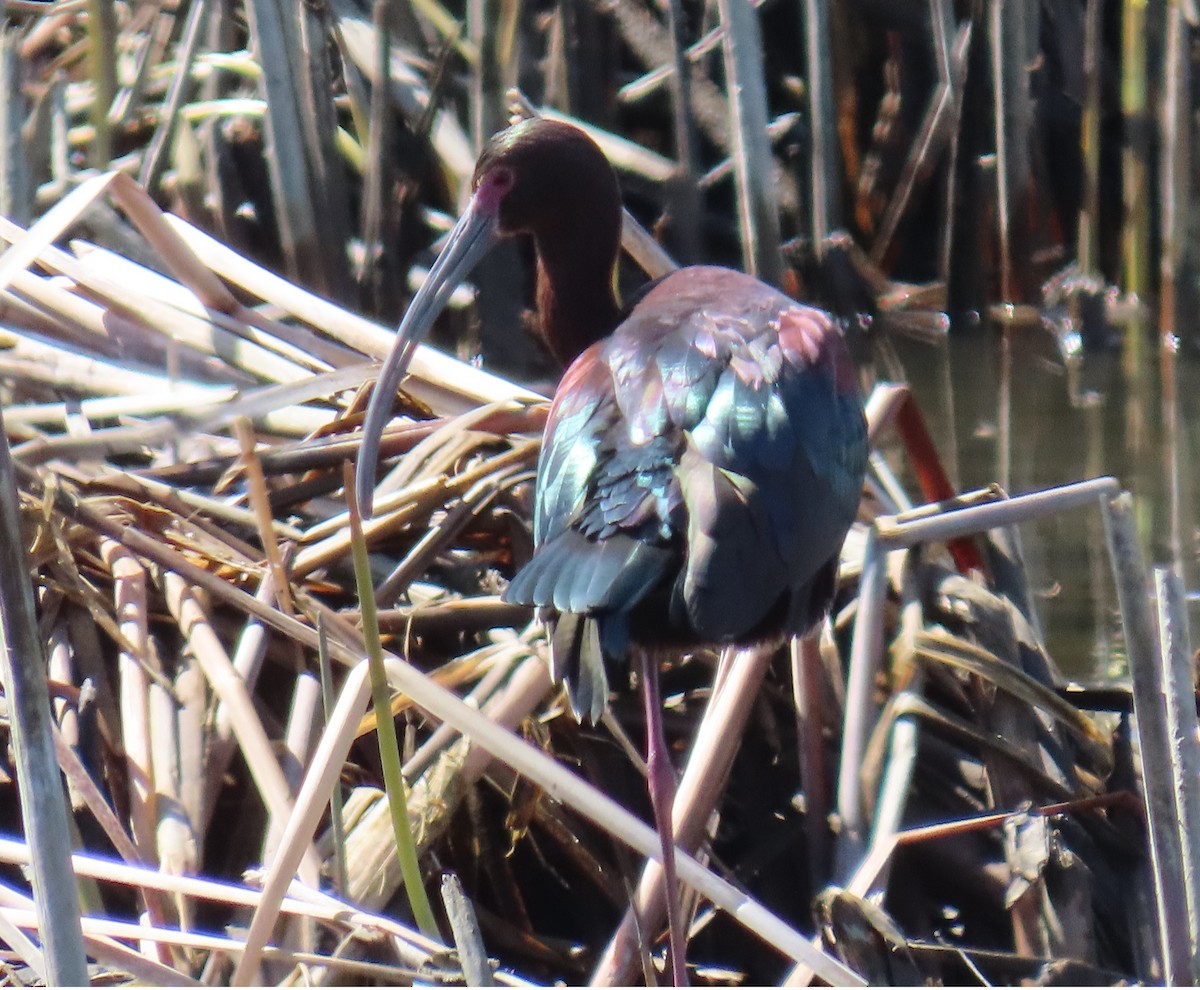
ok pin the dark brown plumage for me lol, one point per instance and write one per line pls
(704, 454)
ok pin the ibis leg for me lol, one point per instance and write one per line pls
(662, 797)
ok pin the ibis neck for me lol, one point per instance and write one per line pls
(577, 304)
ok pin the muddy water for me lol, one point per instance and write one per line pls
(1016, 416)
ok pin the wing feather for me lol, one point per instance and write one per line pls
(713, 448)
(765, 394)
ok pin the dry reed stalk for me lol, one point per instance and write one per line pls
(204, 335)
(261, 507)
(129, 589)
(700, 788)
(110, 929)
(758, 210)
(440, 536)
(416, 949)
(440, 381)
(406, 506)
(51, 306)
(441, 785)
(302, 726)
(231, 689)
(55, 364)
(90, 797)
(248, 656)
(66, 717)
(301, 825)
(22, 946)
(296, 344)
(104, 949)
(43, 806)
(507, 693)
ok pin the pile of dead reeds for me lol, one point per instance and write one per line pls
(918, 796)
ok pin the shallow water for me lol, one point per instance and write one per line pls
(1104, 419)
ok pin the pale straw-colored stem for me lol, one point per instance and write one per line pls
(129, 594)
(701, 786)
(231, 689)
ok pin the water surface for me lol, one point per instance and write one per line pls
(1022, 420)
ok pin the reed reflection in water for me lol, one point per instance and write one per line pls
(1008, 410)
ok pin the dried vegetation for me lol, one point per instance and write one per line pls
(918, 796)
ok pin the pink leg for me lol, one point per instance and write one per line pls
(662, 797)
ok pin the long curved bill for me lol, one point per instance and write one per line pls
(472, 237)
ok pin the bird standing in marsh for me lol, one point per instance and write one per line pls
(704, 453)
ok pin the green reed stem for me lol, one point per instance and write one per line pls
(385, 727)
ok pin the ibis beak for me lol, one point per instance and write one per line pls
(472, 237)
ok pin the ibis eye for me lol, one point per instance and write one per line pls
(492, 187)
(502, 180)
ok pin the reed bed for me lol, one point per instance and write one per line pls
(198, 202)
